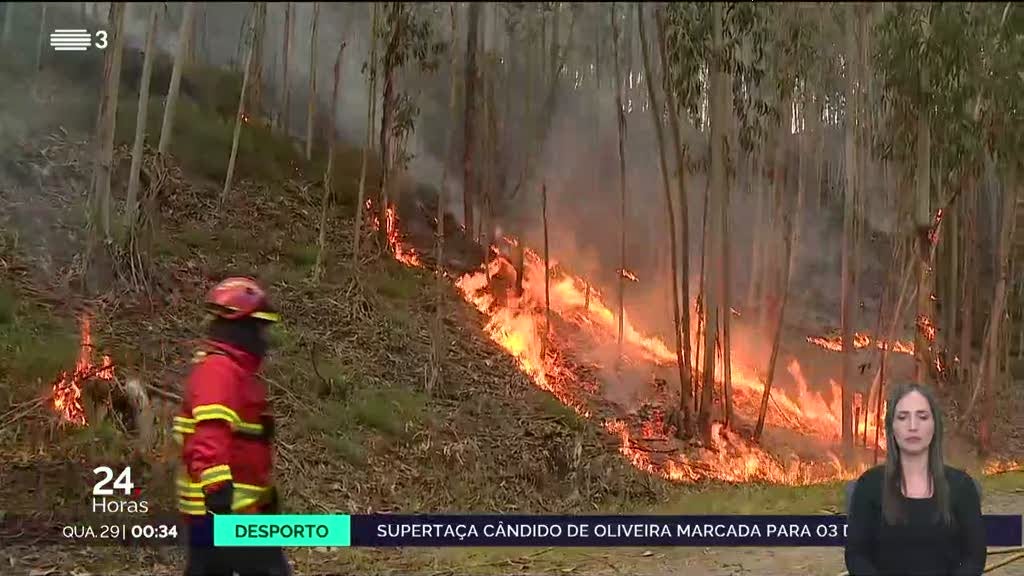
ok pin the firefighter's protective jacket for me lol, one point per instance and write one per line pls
(224, 430)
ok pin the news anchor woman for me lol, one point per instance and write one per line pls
(913, 514)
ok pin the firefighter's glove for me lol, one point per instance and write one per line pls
(267, 421)
(273, 501)
(218, 500)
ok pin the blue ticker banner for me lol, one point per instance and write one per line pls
(652, 530)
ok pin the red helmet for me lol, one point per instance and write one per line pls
(240, 297)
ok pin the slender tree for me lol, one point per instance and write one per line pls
(371, 108)
(328, 192)
(663, 163)
(683, 273)
(142, 114)
(5, 38)
(286, 92)
(184, 36)
(312, 80)
(239, 116)
(42, 36)
(620, 117)
(105, 126)
(469, 121)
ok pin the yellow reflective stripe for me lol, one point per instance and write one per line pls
(249, 428)
(220, 473)
(215, 412)
(179, 438)
(184, 425)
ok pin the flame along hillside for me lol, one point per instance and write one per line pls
(583, 321)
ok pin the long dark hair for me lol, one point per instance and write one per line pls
(893, 501)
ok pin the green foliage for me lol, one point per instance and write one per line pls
(303, 255)
(388, 410)
(34, 345)
(348, 449)
(397, 282)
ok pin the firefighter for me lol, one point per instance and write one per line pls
(226, 432)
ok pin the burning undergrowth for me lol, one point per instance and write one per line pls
(574, 354)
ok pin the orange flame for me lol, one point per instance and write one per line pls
(860, 341)
(927, 328)
(628, 275)
(67, 390)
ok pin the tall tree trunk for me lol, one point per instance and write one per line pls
(756, 249)
(256, 90)
(849, 195)
(787, 259)
(42, 37)
(971, 271)
(438, 345)
(132, 202)
(663, 163)
(239, 117)
(170, 108)
(469, 119)
(620, 117)
(388, 102)
(285, 88)
(923, 221)
(328, 193)
(990, 355)
(106, 124)
(312, 81)
(683, 274)
(371, 108)
(547, 270)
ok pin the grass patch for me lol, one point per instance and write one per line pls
(396, 282)
(347, 449)
(303, 255)
(564, 414)
(37, 346)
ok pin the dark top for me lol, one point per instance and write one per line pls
(924, 545)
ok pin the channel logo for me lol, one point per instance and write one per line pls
(70, 40)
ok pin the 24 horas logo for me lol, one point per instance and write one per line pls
(118, 497)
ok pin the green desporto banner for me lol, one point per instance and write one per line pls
(329, 530)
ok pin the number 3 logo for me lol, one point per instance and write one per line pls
(101, 39)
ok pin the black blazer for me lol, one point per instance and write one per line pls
(924, 545)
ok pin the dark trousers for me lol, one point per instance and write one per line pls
(206, 560)
(236, 561)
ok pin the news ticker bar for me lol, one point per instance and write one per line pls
(391, 530)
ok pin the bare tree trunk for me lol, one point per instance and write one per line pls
(312, 81)
(951, 301)
(106, 123)
(239, 116)
(754, 288)
(547, 270)
(849, 195)
(256, 90)
(684, 373)
(285, 88)
(42, 37)
(328, 194)
(438, 345)
(971, 265)
(371, 106)
(686, 386)
(923, 221)
(990, 355)
(132, 203)
(184, 33)
(469, 140)
(620, 117)
(388, 102)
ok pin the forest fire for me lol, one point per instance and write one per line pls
(517, 324)
(67, 390)
(861, 341)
